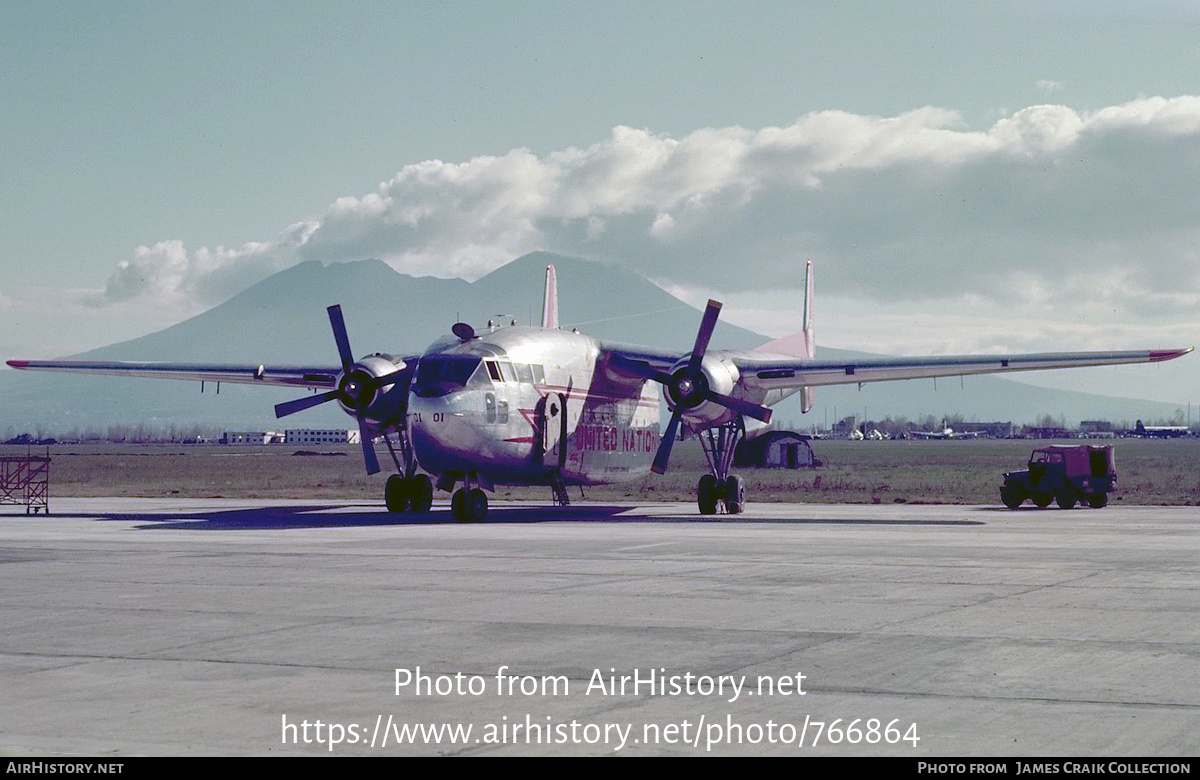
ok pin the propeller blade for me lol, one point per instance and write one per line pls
(340, 336)
(746, 408)
(300, 404)
(368, 448)
(663, 456)
(707, 325)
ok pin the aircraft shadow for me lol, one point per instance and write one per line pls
(335, 515)
(340, 516)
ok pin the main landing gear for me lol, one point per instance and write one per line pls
(408, 490)
(402, 494)
(720, 489)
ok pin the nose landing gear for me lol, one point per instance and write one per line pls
(469, 505)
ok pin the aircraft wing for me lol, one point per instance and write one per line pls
(784, 373)
(323, 377)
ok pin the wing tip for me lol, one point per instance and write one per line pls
(19, 363)
(1159, 355)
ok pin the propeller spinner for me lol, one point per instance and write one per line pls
(687, 387)
(357, 388)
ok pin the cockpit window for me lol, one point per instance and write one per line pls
(440, 374)
(447, 368)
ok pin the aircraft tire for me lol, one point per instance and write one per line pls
(706, 495)
(421, 493)
(457, 501)
(1066, 500)
(396, 493)
(475, 506)
(1097, 500)
(1041, 500)
(735, 495)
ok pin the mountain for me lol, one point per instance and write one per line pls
(282, 320)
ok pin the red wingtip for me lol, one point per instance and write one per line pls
(19, 363)
(1156, 355)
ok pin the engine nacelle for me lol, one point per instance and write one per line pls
(380, 407)
(717, 374)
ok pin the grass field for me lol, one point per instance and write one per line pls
(943, 472)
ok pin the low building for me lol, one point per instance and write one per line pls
(320, 436)
(776, 449)
(245, 437)
(1097, 429)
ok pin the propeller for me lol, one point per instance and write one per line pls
(356, 389)
(687, 388)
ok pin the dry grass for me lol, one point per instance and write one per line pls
(967, 472)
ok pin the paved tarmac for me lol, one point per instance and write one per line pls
(235, 627)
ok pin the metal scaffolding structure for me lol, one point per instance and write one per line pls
(25, 479)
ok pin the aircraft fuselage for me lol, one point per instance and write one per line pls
(525, 405)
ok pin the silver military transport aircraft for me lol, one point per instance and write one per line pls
(546, 406)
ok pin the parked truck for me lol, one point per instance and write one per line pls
(1066, 473)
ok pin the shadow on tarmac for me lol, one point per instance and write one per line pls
(351, 515)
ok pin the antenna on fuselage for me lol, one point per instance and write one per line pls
(498, 322)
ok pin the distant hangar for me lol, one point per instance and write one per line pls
(776, 449)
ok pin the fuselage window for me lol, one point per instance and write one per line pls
(494, 410)
(494, 371)
(524, 373)
(539, 374)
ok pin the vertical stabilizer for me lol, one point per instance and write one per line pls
(807, 395)
(802, 344)
(810, 339)
(550, 300)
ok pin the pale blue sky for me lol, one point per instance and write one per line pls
(215, 124)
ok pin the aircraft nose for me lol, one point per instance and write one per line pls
(441, 433)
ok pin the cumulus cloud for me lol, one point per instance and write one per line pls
(1047, 206)
(170, 275)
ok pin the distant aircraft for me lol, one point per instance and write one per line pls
(1160, 431)
(945, 433)
(545, 406)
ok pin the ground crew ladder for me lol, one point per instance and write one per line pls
(25, 479)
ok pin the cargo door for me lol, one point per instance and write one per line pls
(552, 416)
